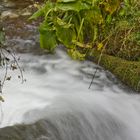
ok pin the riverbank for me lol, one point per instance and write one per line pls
(126, 71)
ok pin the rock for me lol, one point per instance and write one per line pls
(36, 131)
(9, 4)
(9, 14)
(27, 13)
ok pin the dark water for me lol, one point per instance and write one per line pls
(55, 102)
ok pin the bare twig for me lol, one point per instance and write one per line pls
(97, 67)
(16, 61)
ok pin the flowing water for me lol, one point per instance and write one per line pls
(55, 103)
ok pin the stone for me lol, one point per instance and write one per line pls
(9, 14)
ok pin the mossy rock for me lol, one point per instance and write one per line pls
(24, 132)
(127, 71)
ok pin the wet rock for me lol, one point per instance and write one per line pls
(25, 132)
(9, 14)
(22, 35)
(16, 3)
(9, 4)
(27, 13)
(1, 6)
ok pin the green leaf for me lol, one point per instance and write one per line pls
(47, 38)
(109, 19)
(65, 35)
(95, 31)
(43, 11)
(37, 14)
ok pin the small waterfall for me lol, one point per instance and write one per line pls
(86, 117)
(56, 104)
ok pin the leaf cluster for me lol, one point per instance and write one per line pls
(77, 24)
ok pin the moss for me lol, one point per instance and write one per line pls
(127, 71)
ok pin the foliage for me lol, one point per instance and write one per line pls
(77, 24)
(124, 40)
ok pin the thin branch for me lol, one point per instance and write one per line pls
(15, 60)
(93, 77)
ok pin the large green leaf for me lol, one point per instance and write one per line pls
(65, 35)
(47, 37)
(48, 40)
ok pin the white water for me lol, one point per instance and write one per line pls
(57, 91)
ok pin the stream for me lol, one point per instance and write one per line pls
(55, 103)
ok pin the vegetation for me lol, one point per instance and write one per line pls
(109, 27)
(81, 25)
(125, 39)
